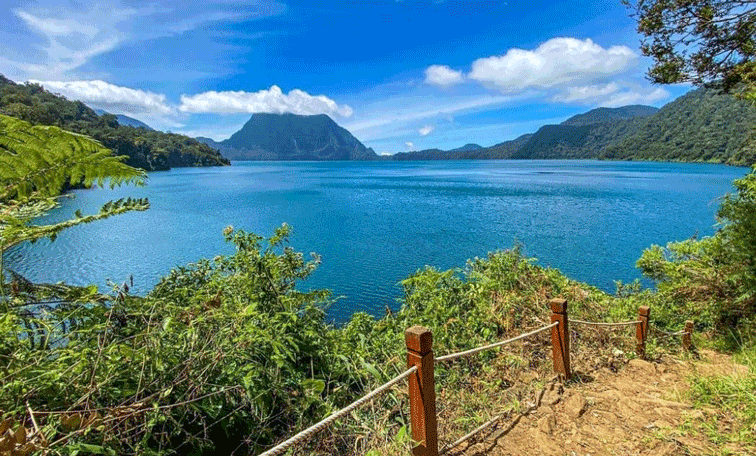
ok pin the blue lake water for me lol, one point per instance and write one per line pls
(376, 223)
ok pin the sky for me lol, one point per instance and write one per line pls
(398, 74)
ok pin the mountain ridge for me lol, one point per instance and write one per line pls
(703, 125)
(125, 120)
(147, 149)
(292, 137)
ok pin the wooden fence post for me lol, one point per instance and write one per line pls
(422, 391)
(560, 337)
(641, 332)
(687, 338)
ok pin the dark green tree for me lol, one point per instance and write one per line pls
(699, 41)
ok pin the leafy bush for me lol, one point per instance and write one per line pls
(712, 279)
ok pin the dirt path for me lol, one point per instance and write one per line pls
(635, 411)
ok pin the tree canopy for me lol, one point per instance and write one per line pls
(37, 163)
(699, 41)
(146, 149)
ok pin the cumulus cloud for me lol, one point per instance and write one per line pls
(109, 96)
(410, 145)
(631, 97)
(426, 130)
(272, 100)
(557, 62)
(588, 93)
(442, 75)
(610, 95)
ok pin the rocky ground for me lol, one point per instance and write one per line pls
(639, 410)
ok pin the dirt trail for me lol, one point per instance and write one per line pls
(635, 411)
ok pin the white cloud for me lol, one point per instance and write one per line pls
(409, 109)
(557, 62)
(272, 100)
(410, 145)
(628, 98)
(442, 75)
(610, 95)
(110, 97)
(586, 93)
(55, 26)
(426, 130)
(56, 39)
(71, 38)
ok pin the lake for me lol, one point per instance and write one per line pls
(374, 223)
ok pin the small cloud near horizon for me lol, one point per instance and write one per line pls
(426, 130)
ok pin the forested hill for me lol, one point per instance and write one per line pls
(125, 120)
(292, 137)
(701, 126)
(146, 149)
(603, 115)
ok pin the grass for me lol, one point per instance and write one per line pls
(733, 396)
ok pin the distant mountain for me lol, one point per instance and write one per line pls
(701, 126)
(126, 120)
(147, 149)
(466, 152)
(602, 115)
(467, 148)
(292, 137)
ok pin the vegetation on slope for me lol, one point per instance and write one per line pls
(292, 137)
(147, 149)
(229, 355)
(604, 115)
(125, 120)
(704, 125)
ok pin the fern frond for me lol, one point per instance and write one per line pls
(45, 159)
(37, 163)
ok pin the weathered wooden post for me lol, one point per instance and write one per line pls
(687, 338)
(641, 333)
(422, 391)
(560, 337)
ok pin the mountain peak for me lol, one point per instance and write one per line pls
(269, 136)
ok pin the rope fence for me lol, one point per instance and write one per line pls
(594, 323)
(283, 446)
(667, 333)
(421, 377)
(473, 351)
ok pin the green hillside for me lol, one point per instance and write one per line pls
(603, 115)
(146, 149)
(701, 126)
(292, 137)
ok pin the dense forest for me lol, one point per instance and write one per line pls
(292, 137)
(702, 126)
(146, 149)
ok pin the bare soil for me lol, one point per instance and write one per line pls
(638, 410)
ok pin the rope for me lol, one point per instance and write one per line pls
(281, 447)
(497, 344)
(671, 334)
(592, 323)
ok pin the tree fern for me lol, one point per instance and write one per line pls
(37, 163)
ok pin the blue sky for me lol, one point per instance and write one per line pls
(400, 75)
